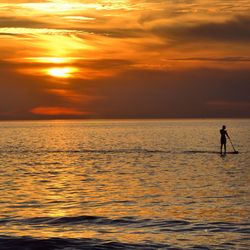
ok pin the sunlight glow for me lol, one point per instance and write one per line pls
(59, 7)
(81, 18)
(25, 31)
(62, 46)
(55, 60)
(64, 72)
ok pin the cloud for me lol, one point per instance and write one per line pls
(216, 59)
(27, 96)
(57, 111)
(20, 93)
(20, 22)
(115, 54)
(29, 31)
(148, 94)
(197, 92)
(116, 32)
(230, 106)
(236, 29)
(105, 63)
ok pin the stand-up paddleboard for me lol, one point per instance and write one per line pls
(208, 152)
(232, 153)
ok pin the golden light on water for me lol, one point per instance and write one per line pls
(62, 72)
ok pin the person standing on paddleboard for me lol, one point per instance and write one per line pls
(223, 139)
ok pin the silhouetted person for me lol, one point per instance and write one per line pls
(223, 139)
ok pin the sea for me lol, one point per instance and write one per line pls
(124, 184)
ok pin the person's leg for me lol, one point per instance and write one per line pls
(225, 148)
(221, 145)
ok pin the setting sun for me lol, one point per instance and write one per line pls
(64, 72)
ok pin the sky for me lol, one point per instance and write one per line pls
(124, 59)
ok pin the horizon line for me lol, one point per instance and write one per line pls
(124, 118)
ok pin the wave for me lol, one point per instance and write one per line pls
(98, 220)
(160, 224)
(170, 227)
(29, 243)
(117, 151)
(87, 219)
(113, 151)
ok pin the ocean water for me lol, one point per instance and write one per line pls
(123, 184)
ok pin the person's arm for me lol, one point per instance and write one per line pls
(227, 135)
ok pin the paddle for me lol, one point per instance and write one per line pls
(235, 151)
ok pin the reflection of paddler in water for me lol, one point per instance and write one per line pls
(223, 139)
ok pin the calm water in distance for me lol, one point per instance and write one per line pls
(132, 184)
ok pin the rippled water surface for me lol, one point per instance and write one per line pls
(149, 184)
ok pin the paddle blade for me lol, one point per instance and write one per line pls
(236, 152)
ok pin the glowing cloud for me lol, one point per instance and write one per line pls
(26, 31)
(57, 111)
(59, 7)
(54, 60)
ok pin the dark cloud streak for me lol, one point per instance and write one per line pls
(152, 94)
(20, 22)
(236, 29)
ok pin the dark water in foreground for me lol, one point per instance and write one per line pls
(123, 185)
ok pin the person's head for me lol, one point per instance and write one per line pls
(224, 127)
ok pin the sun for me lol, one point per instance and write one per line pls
(62, 72)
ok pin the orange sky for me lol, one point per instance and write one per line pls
(124, 58)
